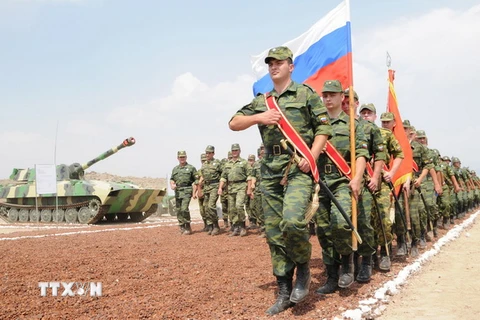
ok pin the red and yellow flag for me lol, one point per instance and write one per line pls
(405, 169)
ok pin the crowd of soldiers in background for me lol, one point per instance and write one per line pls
(233, 180)
(412, 217)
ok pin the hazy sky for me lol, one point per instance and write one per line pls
(172, 73)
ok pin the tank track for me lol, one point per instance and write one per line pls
(134, 216)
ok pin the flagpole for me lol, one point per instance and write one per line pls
(352, 123)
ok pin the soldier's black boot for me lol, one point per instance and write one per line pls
(302, 283)
(365, 272)
(446, 223)
(225, 223)
(283, 300)
(209, 229)
(346, 276)
(356, 266)
(253, 224)
(182, 228)
(188, 229)
(414, 249)
(401, 246)
(216, 229)
(385, 262)
(235, 230)
(243, 230)
(205, 226)
(332, 280)
(435, 228)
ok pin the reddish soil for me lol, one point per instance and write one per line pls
(154, 272)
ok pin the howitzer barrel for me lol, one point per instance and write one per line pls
(126, 143)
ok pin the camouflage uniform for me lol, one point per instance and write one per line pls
(248, 203)
(257, 210)
(237, 188)
(285, 206)
(184, 176)
(226, 165)
(394, 151)
(376, 148)
(334, 238)
(211, 171)
(461, 194)
(417, 208)
(443, 200)
(201, 198)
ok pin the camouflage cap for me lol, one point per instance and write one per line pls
(387, 116)
(181, 153)
(235, 146)
(369, 106)
(421, 134)
(412, 129)
(455, 159)
(332, 86)
(203, 157)
(259, 151)
(210, 149)
(406, 124)
(279, 53)
(436, 152)
(229, 154)
(262, 146)
(347, 94)
(251, 157)
(446, 158)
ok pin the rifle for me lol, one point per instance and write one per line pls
(297, 159)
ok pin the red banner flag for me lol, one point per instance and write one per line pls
(405, 169)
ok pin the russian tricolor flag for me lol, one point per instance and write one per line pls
(322, 53)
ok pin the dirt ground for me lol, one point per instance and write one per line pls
(149, 270)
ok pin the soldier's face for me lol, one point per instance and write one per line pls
(388, 124)
(332, 100)
(279, 69)
(368, 115)
(422, 140)
(235, 154)
(346, 105)
(209, 155)
(182, 160)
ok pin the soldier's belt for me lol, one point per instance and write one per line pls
(183, 185)
(329, 168)
(274, 150)
(212, 181)
(236, 181)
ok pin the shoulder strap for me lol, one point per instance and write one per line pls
(293, 137)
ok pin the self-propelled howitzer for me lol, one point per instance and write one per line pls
(79, 200)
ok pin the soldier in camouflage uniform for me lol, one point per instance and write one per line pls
(182, 182)
(334, 238)
(224, 196)
(376, 149)
(444, 175)
(417, 208)
(255, 193)
(430, 189)
(200, 195)
(210, 180)
(236, 178)
(252, 218)
(287, 187)
(381, 212)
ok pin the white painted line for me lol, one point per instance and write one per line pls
(376, 305)
(151, 226)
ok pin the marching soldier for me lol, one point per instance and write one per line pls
(182, 182)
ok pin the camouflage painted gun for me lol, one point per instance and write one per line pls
(79, 200)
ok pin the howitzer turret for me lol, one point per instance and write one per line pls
(77, 199)
(77, 171)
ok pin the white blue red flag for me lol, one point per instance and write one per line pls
(322, 53)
